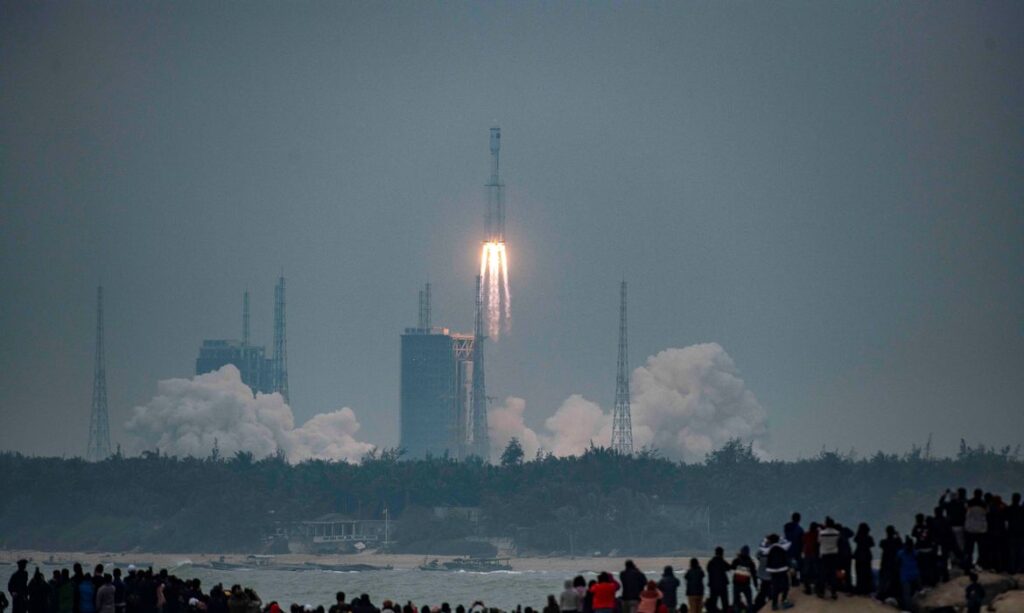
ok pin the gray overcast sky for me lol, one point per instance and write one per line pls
(831, 191)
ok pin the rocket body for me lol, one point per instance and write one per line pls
(494, 216)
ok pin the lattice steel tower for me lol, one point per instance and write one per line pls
(280, 359)
(245, 318)
(99, 424)
(481, 444)
(622, 421)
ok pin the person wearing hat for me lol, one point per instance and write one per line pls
(17, 587)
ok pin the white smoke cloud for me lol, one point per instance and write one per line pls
(575, 425)
(688, 402)
(188, 417)
(505, 423)
(685, 403)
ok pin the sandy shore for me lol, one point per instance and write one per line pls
(171, 560)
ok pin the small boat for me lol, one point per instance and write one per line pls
(347, 568)
(476, 565)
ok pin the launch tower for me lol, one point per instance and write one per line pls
(495, 295)
(480, 444)
(280, 343)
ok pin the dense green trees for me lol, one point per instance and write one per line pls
(598, 502)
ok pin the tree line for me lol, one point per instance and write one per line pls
(598, 502)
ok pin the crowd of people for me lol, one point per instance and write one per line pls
(826, 558)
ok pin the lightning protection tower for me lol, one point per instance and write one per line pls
(280, 360)
(99, 425)
(622, 422)
(245, 318)
(480, 445)
(424, 317)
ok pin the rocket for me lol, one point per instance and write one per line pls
(494, 216)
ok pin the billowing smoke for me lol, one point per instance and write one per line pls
(505, 423)
(688, 402)
(576, 425)
(685, 403)
(188, 417)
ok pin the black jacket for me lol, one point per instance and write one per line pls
(718, 573)
(694, 582)
(633, 582)
(669, 586)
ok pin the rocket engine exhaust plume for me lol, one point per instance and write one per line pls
(494, 255)
(494, 287)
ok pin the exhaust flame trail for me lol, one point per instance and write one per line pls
(495, 288)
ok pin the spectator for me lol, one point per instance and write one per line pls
(744, 574)
(862, 558)
(828, 547)
(975, 594)
(633, 582)
(718, 581)
(604, 593)
(669, 586)
(777, 560)
(975, 528)
(1015, 534)
(794, 533)
(811, 567)
(649, 598)
(910, 574)
(889, 569)
(569, 600)
(106, 595)
(17, 587)
(694, 587)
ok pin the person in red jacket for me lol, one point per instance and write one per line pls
(604, 593)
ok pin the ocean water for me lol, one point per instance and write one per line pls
(502, 589)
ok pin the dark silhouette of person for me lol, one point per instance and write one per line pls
(1015, 533)
(889, 568)
(794, 533)
(633, 582)
(669, 586)
(718, 580)
(694, 586)
(53, 604)
(65, 593)
(38, 593)
(17, 587)
(339, 605)
(862, 560)
(975, 594)
(76, 580)
(744, 574)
